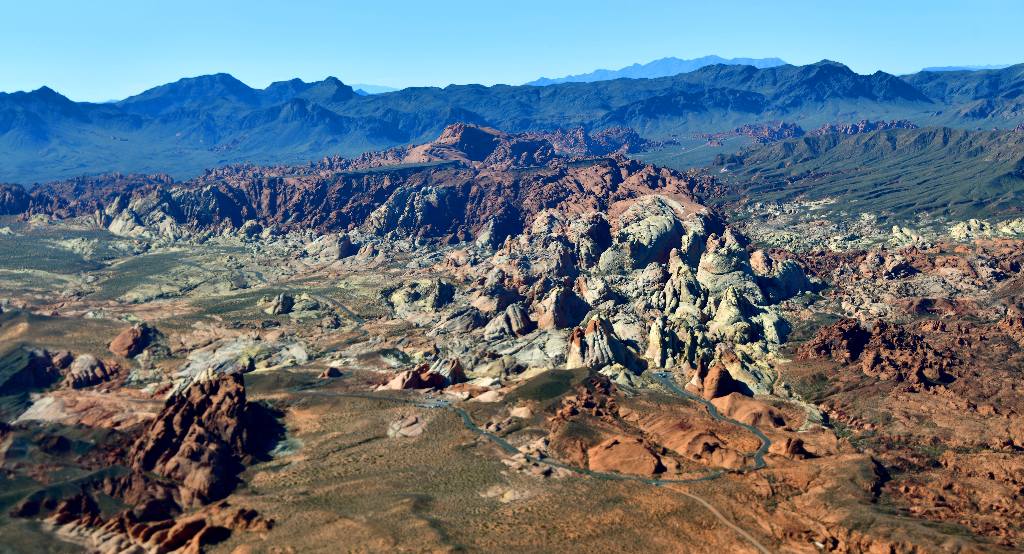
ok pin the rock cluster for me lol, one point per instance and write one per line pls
(975, 229)
(442, 374)
(78, 520)
(200, 440)
(240, 354)
(885, 352)
(86, 371)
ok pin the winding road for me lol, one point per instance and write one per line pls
(662, 377)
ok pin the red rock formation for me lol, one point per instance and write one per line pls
(750, 411)
(199, 440)
(624, 455)
(715, 381)
(424, 377)
(126, 532)
(594, 397)
(887, 352)
(88, 371)
(843, 341)
(132, 341)
(896, 353)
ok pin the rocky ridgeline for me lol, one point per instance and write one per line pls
(446, 189)
(862, 126)
(602, 142)
(764, 133)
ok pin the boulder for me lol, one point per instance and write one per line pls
(622, 454)
(331, 248)
(330, 372)
(450, 369)
(461, 320)
(87, 371)
(442, 374)
(560, 309)
(501, 368)
(408, 426)
(426, 295)
(280, 305)
(132, 341)
(513, 322)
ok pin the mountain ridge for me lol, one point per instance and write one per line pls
(199, 122)
(663, 67)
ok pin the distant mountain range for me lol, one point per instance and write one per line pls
(965, 67)
(184, 127)
(372, 89)
(665, 67)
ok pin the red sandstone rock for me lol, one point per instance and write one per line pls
(624, 455)
(132, 341)
(199, 440)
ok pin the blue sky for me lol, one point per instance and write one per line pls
(111, 48)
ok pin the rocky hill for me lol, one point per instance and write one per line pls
(886, 170)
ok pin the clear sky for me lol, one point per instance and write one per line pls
(108, 49)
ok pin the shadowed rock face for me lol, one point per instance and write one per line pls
(28, 370)
(13, 199)
(201, 439)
